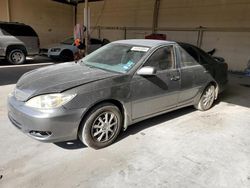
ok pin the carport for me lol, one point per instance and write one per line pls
(222, 25)
(75, 3)
(184, 148)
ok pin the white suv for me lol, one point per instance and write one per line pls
(17, 40)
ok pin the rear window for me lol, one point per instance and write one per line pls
(17, 30)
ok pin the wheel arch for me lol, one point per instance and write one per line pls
(212, 82)
(16, 46)
(115, 102)
(66, 50)
(70, 52)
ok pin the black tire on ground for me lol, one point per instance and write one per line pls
(16, 56)
(101, 126)
(66, 55)
(207, 99)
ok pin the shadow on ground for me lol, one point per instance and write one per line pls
(133, 129)
(71, 145)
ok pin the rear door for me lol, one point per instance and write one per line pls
(156, 93)
(193, 75)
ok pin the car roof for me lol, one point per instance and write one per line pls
(144, 42)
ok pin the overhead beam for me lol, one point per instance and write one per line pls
(74, 2)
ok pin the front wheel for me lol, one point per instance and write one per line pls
(101, 127)
(207, 99)
(16, 56)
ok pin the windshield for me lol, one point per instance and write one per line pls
(69, 41)
(116, 57)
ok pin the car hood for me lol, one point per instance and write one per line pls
(58, 78)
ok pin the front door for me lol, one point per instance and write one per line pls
(156, 93)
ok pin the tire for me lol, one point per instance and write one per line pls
(207, 99)
(16, 56)
(66, 55)
(96, 131)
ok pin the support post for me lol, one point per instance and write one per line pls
(200, 37)
(99, 32)
(155, 16)
(86, 18)
(75, 14)
(8, 11)
(125, 33)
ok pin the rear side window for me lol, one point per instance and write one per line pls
(204, 57)
(186, 59)
(192, 52)
(17, 30)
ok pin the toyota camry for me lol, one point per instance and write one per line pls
(116, 86)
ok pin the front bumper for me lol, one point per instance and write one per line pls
(45, 125)
(53, 54)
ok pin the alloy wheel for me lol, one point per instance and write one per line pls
(208, 97)
(104, 127)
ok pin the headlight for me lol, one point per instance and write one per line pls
(55, 50)
(50, 101)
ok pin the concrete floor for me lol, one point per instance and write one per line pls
(185, 148)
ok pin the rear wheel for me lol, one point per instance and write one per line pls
(207, 99)
(16, 56)
(101, 127)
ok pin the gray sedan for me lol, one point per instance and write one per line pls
(119, 84)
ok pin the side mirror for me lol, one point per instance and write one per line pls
(146, 71)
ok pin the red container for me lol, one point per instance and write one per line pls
(156, 36)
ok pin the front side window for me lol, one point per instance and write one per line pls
(116, 57)
(161, 59)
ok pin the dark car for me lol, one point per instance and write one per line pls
(17, 41)
(119, 84)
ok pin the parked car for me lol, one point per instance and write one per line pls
(17, 40)
(65, 50)
(117, 85)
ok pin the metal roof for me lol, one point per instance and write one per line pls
(74, 2)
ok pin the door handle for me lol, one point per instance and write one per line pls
(175, 78)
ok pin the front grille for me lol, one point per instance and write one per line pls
(20, 95)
